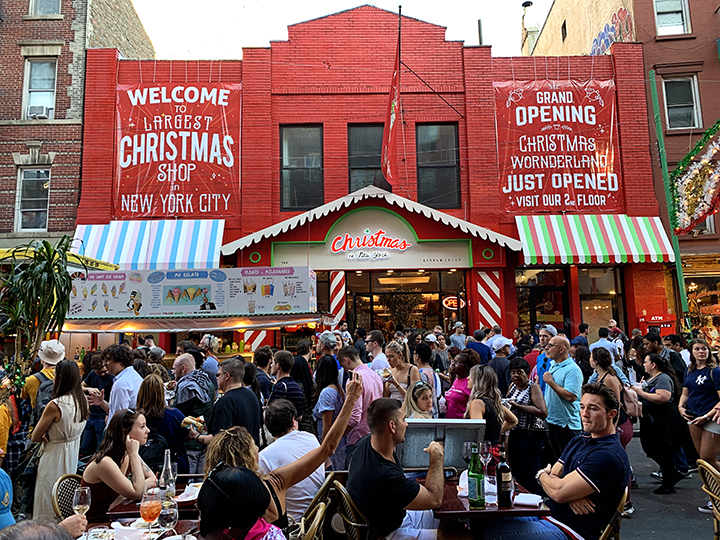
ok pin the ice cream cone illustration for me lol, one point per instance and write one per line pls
(85, 291)
(104, 288)
(122, 288)
(94, 288)
(106, 305)
(94, 305)
(113, 291)
(176, 292)
(74, 290)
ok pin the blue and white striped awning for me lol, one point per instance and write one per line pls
(153, 245)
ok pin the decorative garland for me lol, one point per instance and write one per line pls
(695, 183)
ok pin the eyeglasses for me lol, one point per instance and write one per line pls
(217, 468)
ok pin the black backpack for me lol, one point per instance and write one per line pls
(153, 452)
(43, 396)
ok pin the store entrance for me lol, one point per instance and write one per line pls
(393, 299)
(542, 298)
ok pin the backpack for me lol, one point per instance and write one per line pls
(153, 451)
(43, 396)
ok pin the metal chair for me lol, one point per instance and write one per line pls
(357, 526)
(322, 495)
(613, 528)
(711, 485)
(316, 521)
(62, 494)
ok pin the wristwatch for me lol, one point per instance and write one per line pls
(539, 473)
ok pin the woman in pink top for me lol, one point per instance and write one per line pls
(458, 394)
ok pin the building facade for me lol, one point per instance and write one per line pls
(679, 42)
(301, 159)
(42, 98)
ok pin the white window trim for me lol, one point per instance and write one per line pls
(26, 84)
(686, 20)
(18, 199)
(696, 100)
(33, 4)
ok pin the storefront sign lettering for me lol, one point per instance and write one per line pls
(557, 145)
(177, 150)
(451, 302)
(369, 246)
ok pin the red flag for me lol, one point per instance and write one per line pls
(392, 121)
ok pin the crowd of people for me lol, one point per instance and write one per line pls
(263, 433)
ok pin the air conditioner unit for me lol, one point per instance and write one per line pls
(38, 111)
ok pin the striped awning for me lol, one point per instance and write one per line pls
(153, 245)
(589, 239)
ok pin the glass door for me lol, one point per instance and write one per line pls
(542, 298)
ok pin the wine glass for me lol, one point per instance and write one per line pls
(486, 455)
(168, 517)
(467, 451)
(150, 506)
(81, 500)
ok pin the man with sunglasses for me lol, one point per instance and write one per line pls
(237, 407)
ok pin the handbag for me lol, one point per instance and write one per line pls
(536, 423)
(25, 476)
(631, 404)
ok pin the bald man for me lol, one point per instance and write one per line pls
(563, 384)
(194, 396)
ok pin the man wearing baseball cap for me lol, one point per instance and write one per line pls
(50, 353)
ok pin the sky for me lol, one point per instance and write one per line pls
(219, 29)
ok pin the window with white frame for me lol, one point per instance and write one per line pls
(682, 102)
(44, 7)
(32, 200)
(301, 167)
(672, 17)
(40, 80)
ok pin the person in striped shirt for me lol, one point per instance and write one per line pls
(286, 387)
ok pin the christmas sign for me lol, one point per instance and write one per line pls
(178, 150)
(557, 147)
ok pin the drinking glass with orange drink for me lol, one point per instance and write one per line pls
(150, 506)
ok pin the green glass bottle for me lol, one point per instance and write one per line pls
(476, 480)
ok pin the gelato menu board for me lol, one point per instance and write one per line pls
(190, 293)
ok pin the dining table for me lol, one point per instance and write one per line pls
(184, 526)
(187, 510)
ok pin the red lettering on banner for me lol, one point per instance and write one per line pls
(377, 240)
(178, 150)
(558, 150)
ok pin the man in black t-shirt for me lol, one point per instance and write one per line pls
(237, 407)
(396, 507)
(100, 379)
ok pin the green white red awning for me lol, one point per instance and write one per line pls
(590, 239)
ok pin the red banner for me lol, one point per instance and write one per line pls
(557, 147)
(390, 132)
(178, 150)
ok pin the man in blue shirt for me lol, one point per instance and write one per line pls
(542, 364)
(563, 382)
(479, 347)
(582, 338)
(587, 482)
(605, 343)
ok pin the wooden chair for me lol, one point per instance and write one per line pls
(322, 495)
(711, 485)
(62, 494)
(356, 525)
(316, 520)
(613, 528)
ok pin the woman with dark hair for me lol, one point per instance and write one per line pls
(602, 364)
(582, 359)
(521, 338)
(116, 470)
(660, 421)
(232, 504)
(458, 394)
(526, 438)
(59, 430)
(250, 380)
(141, 367)
(328, 400)
(700, 396)
(165, 421)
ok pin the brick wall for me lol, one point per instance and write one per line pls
(114, 23)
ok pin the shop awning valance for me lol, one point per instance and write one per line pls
(589, 239)
(153, 245)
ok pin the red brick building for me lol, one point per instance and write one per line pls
(42, 46)
(312, 114)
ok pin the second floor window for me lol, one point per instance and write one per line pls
(32, 200)
(682, 106)
(40, 99)
(438, 168)
(671, 17)
(301, 167)
(44, 7)
(364, 155)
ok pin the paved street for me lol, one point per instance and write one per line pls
(664, 517)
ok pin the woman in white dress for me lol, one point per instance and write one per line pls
(59, 430)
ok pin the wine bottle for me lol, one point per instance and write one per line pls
(476, 480)
(504, 481)
(166, 482)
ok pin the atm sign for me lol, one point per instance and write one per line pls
(451, 302)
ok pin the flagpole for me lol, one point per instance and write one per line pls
(399, 51)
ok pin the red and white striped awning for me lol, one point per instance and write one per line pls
(588, 239)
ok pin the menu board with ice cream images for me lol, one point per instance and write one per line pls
(107, 295)
(192, 293)
(175, 293)
(264, 291)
